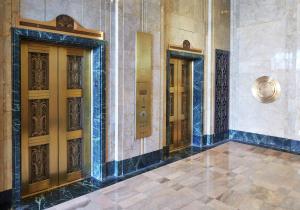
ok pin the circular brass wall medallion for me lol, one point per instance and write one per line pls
(266, 90)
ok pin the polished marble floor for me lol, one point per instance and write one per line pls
(230, 176)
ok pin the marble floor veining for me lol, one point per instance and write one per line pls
(232, 176)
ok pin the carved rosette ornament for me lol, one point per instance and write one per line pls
(64, 22)
(186, 45)
(266, 90)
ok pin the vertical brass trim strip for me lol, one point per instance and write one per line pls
(87, 95)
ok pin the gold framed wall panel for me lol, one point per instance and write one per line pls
(143, 85)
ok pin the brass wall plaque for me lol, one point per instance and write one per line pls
(143, 84)
(266, 90)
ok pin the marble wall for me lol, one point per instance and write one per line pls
(169, 21)
(206, 24)
(133, 16)
(264, 41)
(8, 13)
(119, 20)
(218, 38)
(187, 21)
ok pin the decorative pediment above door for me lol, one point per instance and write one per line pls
(61, 24)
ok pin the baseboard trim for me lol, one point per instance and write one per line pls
(213, 139)
(5, 199)
(272, 142)
(122, 167)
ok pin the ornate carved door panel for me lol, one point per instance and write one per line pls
(54, 127)
(180, 92)
(73, 120)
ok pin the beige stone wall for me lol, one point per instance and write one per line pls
(183, 20)
(169, 21)
(220, 39)
(120, 30)
(8, 14)
(221, 24)
(265, 42)
(206, 24)
(133, 16)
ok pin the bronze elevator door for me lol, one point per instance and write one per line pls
(53, 115)
(179, 103)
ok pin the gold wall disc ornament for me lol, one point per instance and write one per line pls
(266, 90)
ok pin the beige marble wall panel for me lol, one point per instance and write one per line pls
(220, 40)
(106, 25)
(153, 25)
(187, 20)
(133, 16)
(73, 8)
(93, 14)
(234, 17)
(33, 9)
(1, 95)
(221, 24)
(266, 42)
(8, 12)
(136, 15)
(131, 20)
(254, 12)
(92, 10)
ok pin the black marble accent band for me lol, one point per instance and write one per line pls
(120, 168)
(198, 84)
(5, 199)
(133, 164)
(209, 140)
(272, 142)
(98, 112)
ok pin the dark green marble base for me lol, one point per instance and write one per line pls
(5, 199)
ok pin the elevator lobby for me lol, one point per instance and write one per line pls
(149, 104)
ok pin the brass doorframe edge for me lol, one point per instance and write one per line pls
(62, 24)
(51, 188)
(181, 49)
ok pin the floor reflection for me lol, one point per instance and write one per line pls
(230, 176)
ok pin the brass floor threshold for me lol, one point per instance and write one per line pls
(180, 148)
(50, 189)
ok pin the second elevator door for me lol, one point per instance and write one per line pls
(180, 96)
(52, 115)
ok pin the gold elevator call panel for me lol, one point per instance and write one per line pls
(143, 84)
